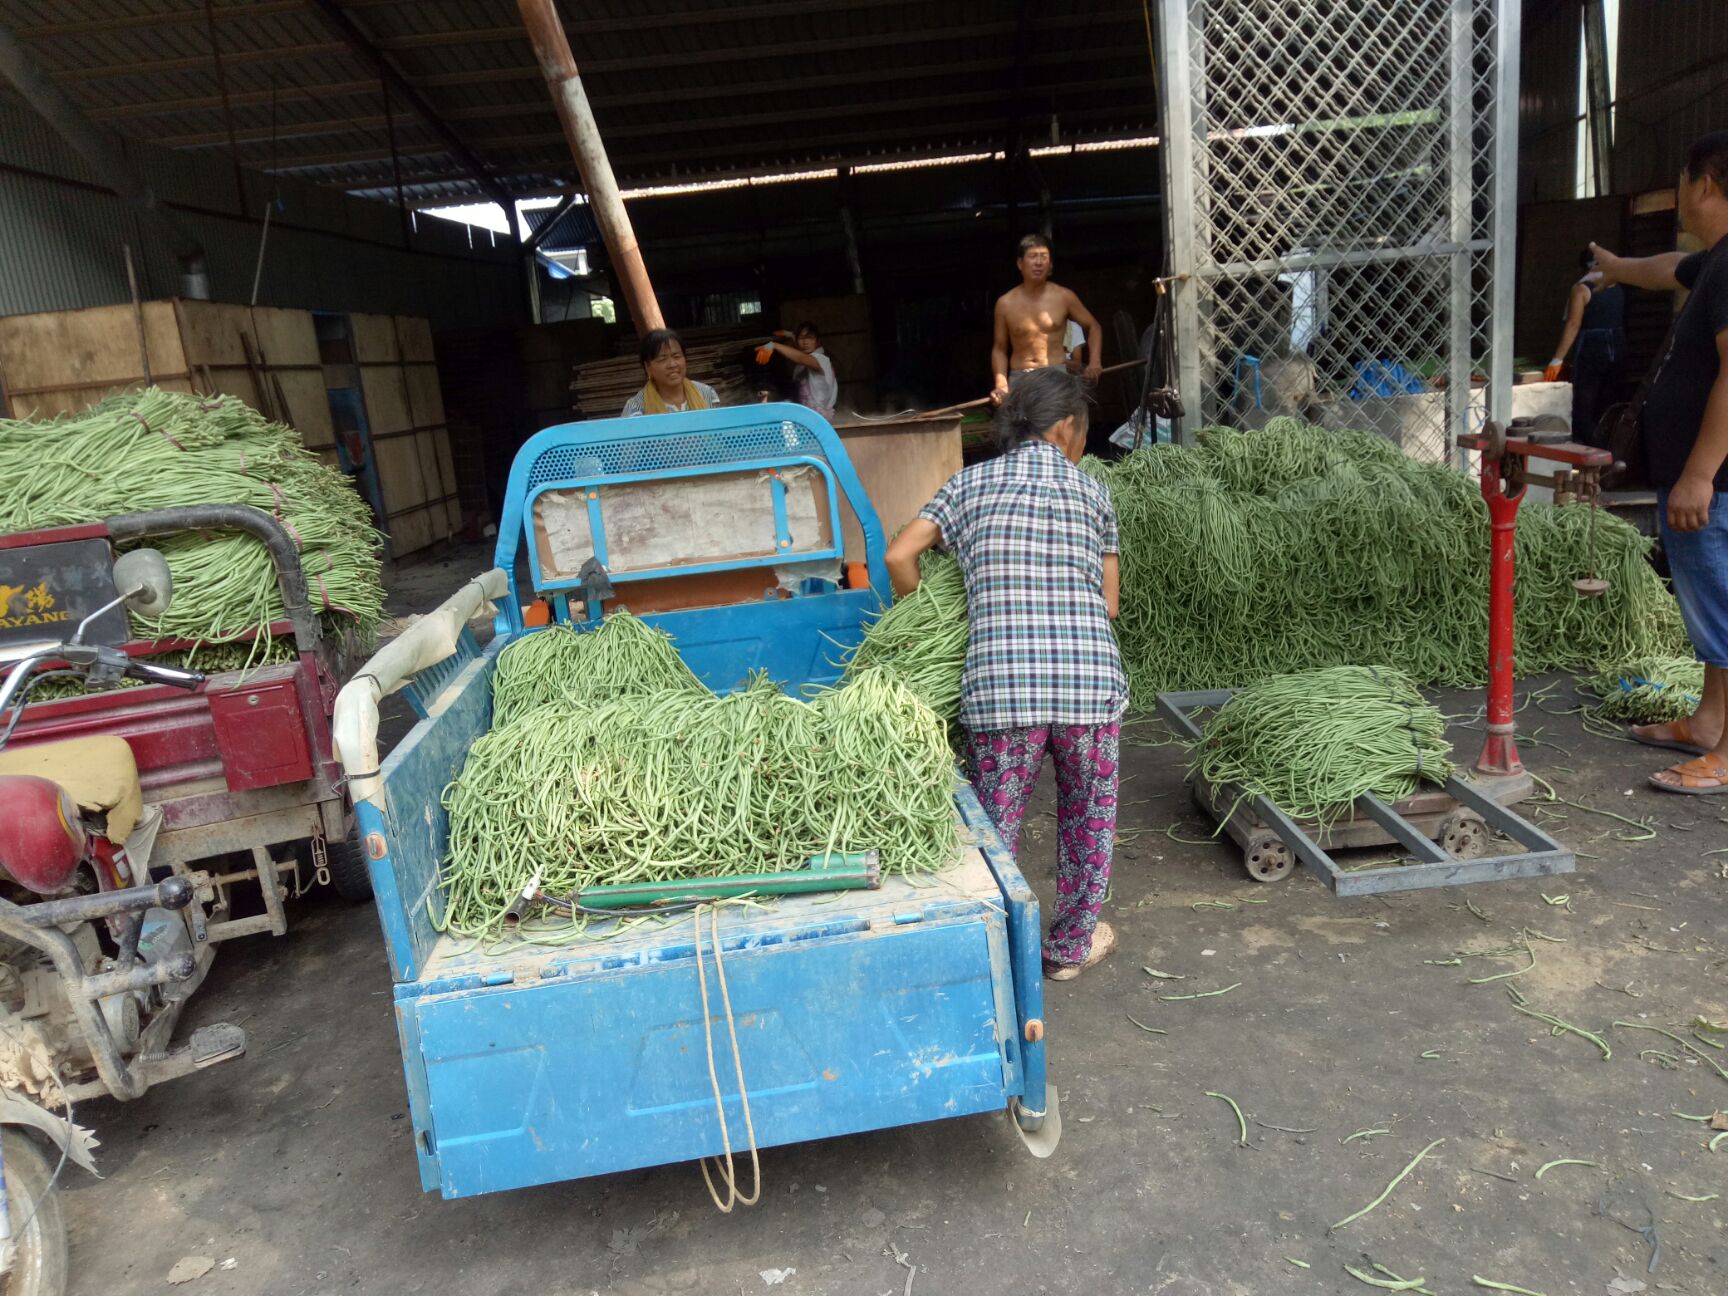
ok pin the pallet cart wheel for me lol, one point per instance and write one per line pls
(1464, 835)
(1267, 857)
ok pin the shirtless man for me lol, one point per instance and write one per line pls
(1032, 321)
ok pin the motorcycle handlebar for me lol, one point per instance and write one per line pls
(150, 673)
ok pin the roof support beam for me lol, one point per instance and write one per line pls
(163, 18)
(958, 137)
(75, 74)
(686, 93)
(105, 158)
(362, 45)
(350, 125)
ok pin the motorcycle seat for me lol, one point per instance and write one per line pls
(99, 773)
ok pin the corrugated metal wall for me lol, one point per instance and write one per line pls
(1548, 101)
(1672, 87)
(63, 240)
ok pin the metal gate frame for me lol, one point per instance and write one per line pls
(1368, 79)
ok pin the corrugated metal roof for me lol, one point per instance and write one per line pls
(681, 88)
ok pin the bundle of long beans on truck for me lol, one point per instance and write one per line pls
(1291, 548)
(921, 637)
(156, 449)
(608, 763)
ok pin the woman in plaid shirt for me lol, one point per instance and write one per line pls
(1036, 540)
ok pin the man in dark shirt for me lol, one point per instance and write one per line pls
(1685, 426)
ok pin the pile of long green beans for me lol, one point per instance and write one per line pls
(622, 657)
(921, 637)
(1290, 548)
(1648, 690)
(679, 783)
(1259, 553)
(1314, 742)
(155, 449)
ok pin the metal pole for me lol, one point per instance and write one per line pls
(1459, 114)
(227, 110)
(137, 314)
(396, 168)
(1503, 279)
(546, 32)
(1180, 52)
(1599, 110)
(263, 242)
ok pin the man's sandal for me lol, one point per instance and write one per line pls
(1680, 741)
(1103, 944)
(1706, 776)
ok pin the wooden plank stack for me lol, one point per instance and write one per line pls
(405, 421)
(602, 386)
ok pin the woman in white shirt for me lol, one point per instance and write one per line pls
(817, 386)
(668, 389)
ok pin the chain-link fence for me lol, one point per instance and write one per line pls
(1340, 176)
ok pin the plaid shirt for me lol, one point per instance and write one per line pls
(1030, 531)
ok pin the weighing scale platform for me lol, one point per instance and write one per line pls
(1450, 829)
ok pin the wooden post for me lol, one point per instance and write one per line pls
(546, 32)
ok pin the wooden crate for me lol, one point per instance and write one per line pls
(405, 419)
(901, 464)
(59, 362)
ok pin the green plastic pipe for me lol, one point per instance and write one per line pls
(856, 871)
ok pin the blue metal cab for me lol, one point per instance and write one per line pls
(854, 1011)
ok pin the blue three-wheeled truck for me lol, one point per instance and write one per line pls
(853, 1011)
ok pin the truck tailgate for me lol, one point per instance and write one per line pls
(853, 1012)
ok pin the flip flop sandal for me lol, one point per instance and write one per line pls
(1706, 776)
(1103, 945)
(1675, 743)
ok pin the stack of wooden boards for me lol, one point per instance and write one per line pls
(62, 362)
(711, 352)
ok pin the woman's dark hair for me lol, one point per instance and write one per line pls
(1586, 258)
(655, 342)
(1037, 403)
(808, 327)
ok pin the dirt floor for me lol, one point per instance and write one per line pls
(1348, 1016)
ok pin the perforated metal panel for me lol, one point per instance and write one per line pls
(1341, 197)
(645, 451)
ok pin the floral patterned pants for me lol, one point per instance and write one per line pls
(1004, 765)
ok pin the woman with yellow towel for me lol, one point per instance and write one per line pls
(668, 389)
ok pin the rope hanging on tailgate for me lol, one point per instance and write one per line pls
(727, 1172)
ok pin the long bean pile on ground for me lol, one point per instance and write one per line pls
(1313, 742)
(156, 449)
(673, 782)
(1648, 690)
(1260, 553)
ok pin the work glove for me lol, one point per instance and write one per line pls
(1554, 370)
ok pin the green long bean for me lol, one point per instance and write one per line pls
(922, 638)
(1313, 742)
(677, 783)
(155, 449)
(1292, 548)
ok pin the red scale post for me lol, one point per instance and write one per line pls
(1504, 482)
